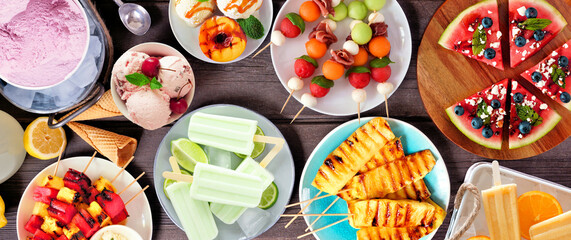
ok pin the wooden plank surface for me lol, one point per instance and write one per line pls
(253, 84)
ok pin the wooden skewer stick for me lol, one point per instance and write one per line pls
(324, 211)
(89, 163)
(261, 50)
(174, 164)
(287, 100)
(58, 159)
(303, 209)
(359, 112)
(136, 195)
(311, 200)
(328, 226)
(297, 114)
(122, 169)
(178, 177)
(386, 105)
(134, 181)
(316, 214)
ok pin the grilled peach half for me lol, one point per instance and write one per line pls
(222, 39)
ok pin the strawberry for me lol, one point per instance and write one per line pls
(320, 86)
(292, 25)
(305, 66)
(359, 77)
(380, 69)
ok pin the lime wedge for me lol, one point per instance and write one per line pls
(269, 197)
(258, 146)
(187, 153)
(169, 182)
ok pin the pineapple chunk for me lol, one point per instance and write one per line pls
(97, 213)
(50, 226)
(68, 195)
(54, 182)
(71, 231)
(103, 183)
(40, 209)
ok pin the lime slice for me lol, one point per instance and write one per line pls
(258, 146)
(169, 182)
(269, 197)
(187, 153)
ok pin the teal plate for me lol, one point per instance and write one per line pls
(413, 140)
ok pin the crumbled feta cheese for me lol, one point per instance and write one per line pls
(471, 102)
(533, 98)
(495, 90)
(515, 31)
(466, 51)
(544, 90)
(470, 28)
(543, 106)
(523, 59)
(540, 84)
(499, 34)
(489, 12)
(514, 85)
(490, 97)
(480, 27)
(483, 116)
(490, 32)
(516, 51)
(554, 53)
(495, 45)
(469, 41)
(565, 45)
(520, 136)
(528, 119)
(489, 109)
(550, 62)
(494, 63)
(503, 91)
(524, 53)
(521, 10)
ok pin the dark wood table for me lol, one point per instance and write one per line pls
(252, 83)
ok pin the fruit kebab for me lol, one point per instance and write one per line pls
(304, 67)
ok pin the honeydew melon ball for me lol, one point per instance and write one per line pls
(357, 10)
(375, 5)
(361, 33)
(340, 12)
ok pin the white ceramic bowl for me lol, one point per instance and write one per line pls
(127, 232)
(153, 49)
(87, 37)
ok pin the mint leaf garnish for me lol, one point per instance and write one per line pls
(479, 40)
(526, 112)
(534, 24)
(137, 79)
(483, 110)
(558, 75)
(155, 84)
(380, 62)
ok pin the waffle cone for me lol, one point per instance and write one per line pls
(103, 108)
(118, 148)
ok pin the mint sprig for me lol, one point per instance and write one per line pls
(155, 84)
(558, 76)
(483, 110)
(139, 79)
(526, 112)
(534, 24)
(479, 40)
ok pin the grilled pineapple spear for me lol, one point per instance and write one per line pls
(391, 152)
(103, 183)
(347, 159)
(390, 177)
(414, 191)
(391, 213)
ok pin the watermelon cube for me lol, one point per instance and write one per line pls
(120, 217)
(62, 237)
(34, 223)
(41, 235)
(44, 194)
(90, 195)
(85, 223)
(63, 212)
(113, 205)
(77, 181)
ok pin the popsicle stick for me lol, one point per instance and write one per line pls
(89, 163)
(136, 195)
(313, 199)
(316, 214)
(328, 226)
(178, 176)
(261, 50)
(496, 173)
(324, 211)
(122, 169)
(58, 160)
(174, 164)
(386, 105)
(287, 100)
(303, 209)
(278, 145)
(297, 114)
(359, 112)
(134, 181)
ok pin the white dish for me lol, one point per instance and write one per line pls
(154, 49)
(338, 101)
(480, 174)
(12, 150)
(140, 218)
(127, 232)
(187, 36)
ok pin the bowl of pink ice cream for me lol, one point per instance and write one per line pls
(152, 99)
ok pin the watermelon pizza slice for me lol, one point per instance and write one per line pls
(530, 118)
(532, 24)
(552, 75)
(481, 116)
(475, 33)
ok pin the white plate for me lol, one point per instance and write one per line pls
(282, 167)
(339, 102)
(139, 219)
(12, 150)
(413, 140)
(187, 36)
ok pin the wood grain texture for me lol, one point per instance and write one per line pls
(446, 77)
(252, 83)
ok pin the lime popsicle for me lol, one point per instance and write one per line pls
(230, 213)
(195, 216)
(220, 185)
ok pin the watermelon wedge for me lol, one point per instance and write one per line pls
(533, 23)
(481, 116)
(475, 33)
(552, 75)
(530, 118)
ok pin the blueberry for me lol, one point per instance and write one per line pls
(563, 61)
(520, 41)
(490, 53)
(536, 76)
(496, 104)
(459, 110)
(565, 97)
(518, 98)
(524, 127)
(487, 22)
(531, 13)
(487, 132)
(477, 123)
(538, 35)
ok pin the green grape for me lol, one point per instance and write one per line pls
(361, 33)
(340, 12)
(357, 10)
(375, 5)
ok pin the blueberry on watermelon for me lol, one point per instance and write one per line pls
(320, 86)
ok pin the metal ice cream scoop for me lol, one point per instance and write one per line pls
(135, 17)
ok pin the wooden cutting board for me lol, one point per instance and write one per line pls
(446, 77)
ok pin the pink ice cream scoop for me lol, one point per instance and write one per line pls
(149, 108)
(128, 63)
(176, 76)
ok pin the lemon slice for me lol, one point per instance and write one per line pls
(42, 142)
(3, 220)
